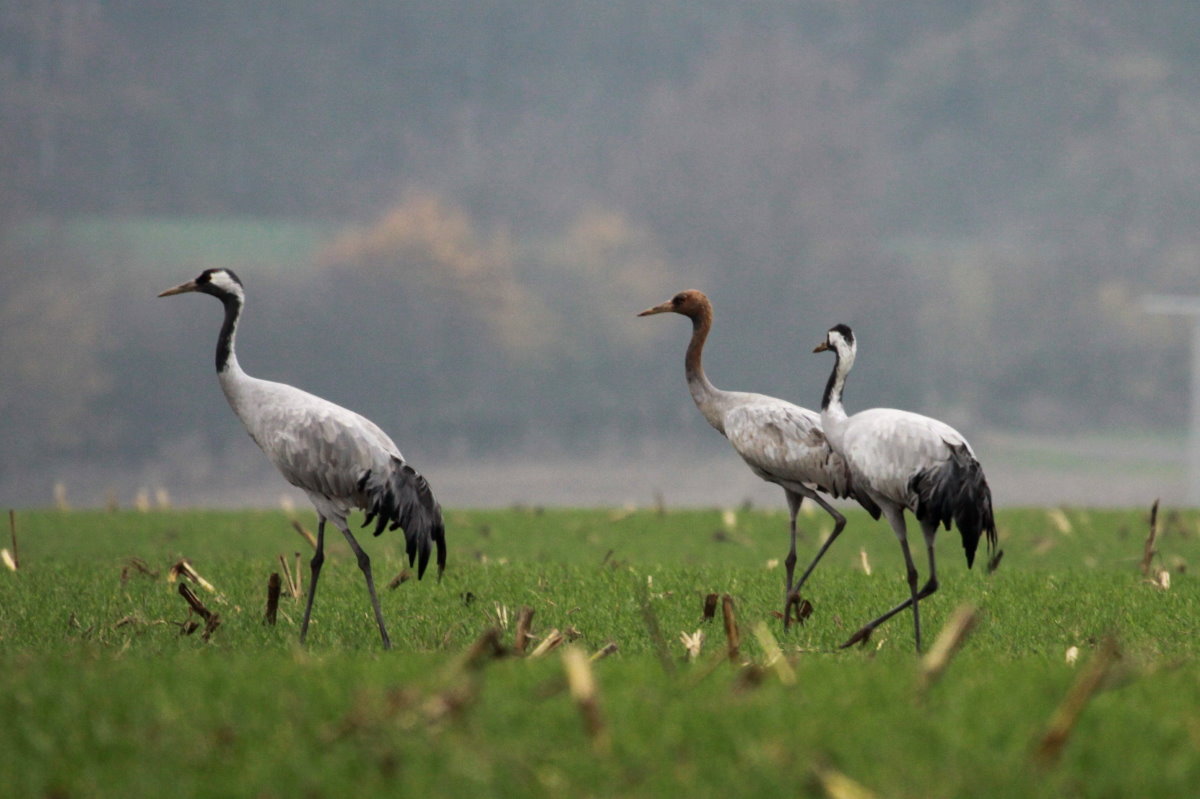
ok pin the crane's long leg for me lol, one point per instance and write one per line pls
(318, 558)
(794, 501)
(911, 573)
(930, 532)
(364, 563)
(895, 517)
(839, 523)
(931, 585)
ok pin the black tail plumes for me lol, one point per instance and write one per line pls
(403, 497)
(957, 491)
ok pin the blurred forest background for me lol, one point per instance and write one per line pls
(447, 214)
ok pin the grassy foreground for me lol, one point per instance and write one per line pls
(102, 693)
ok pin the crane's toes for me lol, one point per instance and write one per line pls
(994, 561)
(860, 637)
(800, 608)
(804, 609)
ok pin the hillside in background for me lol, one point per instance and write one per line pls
(447, 215)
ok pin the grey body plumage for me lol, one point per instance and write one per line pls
(340, 459)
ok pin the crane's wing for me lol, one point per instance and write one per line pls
(319, 446)
(886, 447)
(343, 457)
(784, 441)
(926, 465)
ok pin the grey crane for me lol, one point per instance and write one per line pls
(781, 443)
(340, 459)
(906, 461)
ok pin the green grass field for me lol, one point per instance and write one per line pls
(104, 695)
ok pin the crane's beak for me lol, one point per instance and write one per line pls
(824, 345)
(180, 289)
(663, 308)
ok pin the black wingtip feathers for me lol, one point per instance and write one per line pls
(957, 491)
(403, 500)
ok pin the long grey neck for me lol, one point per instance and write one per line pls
(708, 398)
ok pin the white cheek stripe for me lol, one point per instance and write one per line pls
(222, 280)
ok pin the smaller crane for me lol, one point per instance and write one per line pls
(906, 461)
(782, 443)
(340, 459)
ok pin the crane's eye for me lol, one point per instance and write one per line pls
(677, 300)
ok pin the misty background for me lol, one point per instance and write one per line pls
(446, 215)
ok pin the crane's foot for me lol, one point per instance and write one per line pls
(800, 608)
(860, 637)
(994, 561)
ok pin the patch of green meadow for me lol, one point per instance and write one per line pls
(105, 694)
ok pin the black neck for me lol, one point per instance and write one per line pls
(233, 309)
(830, 386)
